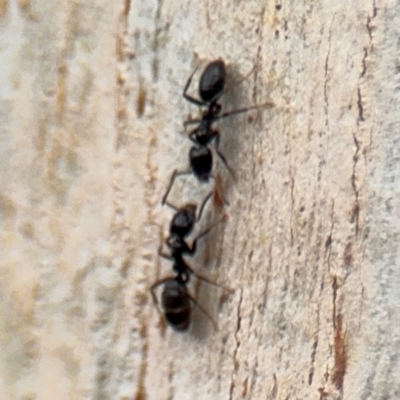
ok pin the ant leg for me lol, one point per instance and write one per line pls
(221, 156)
(204, 233)
(203, 205)
(165, 256)
(240, 81)
(226, 202)
(204, 279)
(192, 122)
(187, 96)
(267, 104)
(236, 83)
(192, 135)
(153, 287)
(203, 311)
(171, 205)
(171, 182)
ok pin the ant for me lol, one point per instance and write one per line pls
(211, 88)
(175, 298)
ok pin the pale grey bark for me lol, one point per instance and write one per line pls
(91, 118)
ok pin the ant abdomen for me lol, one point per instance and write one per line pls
(201, 162)
(176, 304)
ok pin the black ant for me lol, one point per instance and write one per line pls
(175, 298)
(211, 88)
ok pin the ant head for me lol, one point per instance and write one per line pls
(183, 221)
(212, 81)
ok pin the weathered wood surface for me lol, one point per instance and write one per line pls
(91, 127)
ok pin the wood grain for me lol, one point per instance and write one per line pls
(91, 116)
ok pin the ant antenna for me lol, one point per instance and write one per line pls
(267, 104)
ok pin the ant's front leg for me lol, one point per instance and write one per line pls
(165, 256)
(204, 233)
(192, 121)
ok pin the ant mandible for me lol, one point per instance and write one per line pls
(175, 298)
(211, 88)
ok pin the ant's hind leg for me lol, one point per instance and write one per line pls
(203, 311)
(204, 279)
(204, 233)
(267, 104)
(221, 156)
(203, 205)
(171, 182)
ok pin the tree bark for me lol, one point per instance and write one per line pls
(92, 113)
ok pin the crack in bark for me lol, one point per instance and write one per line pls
(291, 193)
(360, 107)
(328, 246)
(326, 102)
(140, 389)
(335, 287)
(156, 39)
(291, 206)
(122, 90)
(274, 390)
(340, 356)
(361, 118)
(328, 243)
(369, 20)
(313, 353)
(364, 63)
(356, 208)
(235, 361)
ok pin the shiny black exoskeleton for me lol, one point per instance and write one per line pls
(176, 303)
(175, 298)
(211, 84)
(181, 226)
(211, 88)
